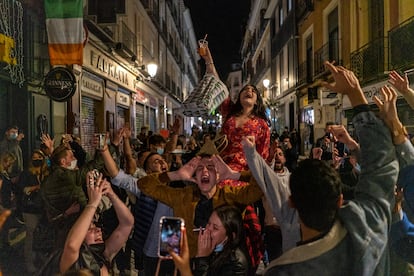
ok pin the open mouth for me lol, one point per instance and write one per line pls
(205, 180)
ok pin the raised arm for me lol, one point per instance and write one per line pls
(375, 190)
(131, 163)
(78, 232)
(110, 164)
(403, 86)
(121, 233)
(208, 58)
(387, 105)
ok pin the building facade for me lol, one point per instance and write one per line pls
(367, 36)
(113, 85)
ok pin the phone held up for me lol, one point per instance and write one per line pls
(171, 229)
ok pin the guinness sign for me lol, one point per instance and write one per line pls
(60, 84)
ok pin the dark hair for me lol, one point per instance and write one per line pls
(232, 220)
(156, 139)
(315, 190)
(145, 164)
(59, 153)
(12, 127)
(259, 109)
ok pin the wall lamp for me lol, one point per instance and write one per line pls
(148, 71)
(267, 85)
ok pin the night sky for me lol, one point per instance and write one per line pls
(224, 21)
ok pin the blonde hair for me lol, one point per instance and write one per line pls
(4, 157)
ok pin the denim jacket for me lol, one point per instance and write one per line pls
(357, 242)
(402, 231)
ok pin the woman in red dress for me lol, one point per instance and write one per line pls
(246, 117)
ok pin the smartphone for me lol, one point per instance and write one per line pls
(171, 229)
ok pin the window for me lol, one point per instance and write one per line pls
(333, 33)
(309, 55)
(281, 18)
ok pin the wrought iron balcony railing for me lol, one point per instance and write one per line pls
(329, 51)
(368, 62)
(401, 45)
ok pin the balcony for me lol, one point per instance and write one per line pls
(368, 62)
(127, 48)
(106, 10)
(329, 51)
(303, 9)
(401, 43)
(304, 73)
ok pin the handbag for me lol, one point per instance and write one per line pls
(206, 97)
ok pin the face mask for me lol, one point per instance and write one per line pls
(72, 165)
(358, 167)
(219, 247)
(48, 162)
(160, 151)
(13, 136)
(108, 141)
(37, 162)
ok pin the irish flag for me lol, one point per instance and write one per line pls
(64, 25)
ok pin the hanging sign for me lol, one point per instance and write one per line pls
(60, 84)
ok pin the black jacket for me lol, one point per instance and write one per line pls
(236, 264)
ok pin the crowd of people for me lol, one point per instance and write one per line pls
(243, 195)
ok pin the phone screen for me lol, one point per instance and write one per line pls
(170, 235)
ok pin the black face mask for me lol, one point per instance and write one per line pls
(37, 163)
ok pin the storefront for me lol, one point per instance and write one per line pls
(92, 88)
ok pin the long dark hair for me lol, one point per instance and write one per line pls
(232, 220)
(259, 109)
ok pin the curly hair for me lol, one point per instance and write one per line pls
(259, 109)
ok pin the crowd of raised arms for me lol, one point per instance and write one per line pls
(240, 195)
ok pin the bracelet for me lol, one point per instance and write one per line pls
(91, 206)
(209, 63)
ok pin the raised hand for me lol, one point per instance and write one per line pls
(223, 170)
(387, 105)
(400, 83)
(345, 82)
(175, 128)
(94, 188)
(186, 172)
(341, 134)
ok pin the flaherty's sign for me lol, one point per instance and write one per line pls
(60, 84)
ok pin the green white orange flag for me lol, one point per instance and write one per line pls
(65, 33)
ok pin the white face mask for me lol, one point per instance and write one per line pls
(72, 165)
